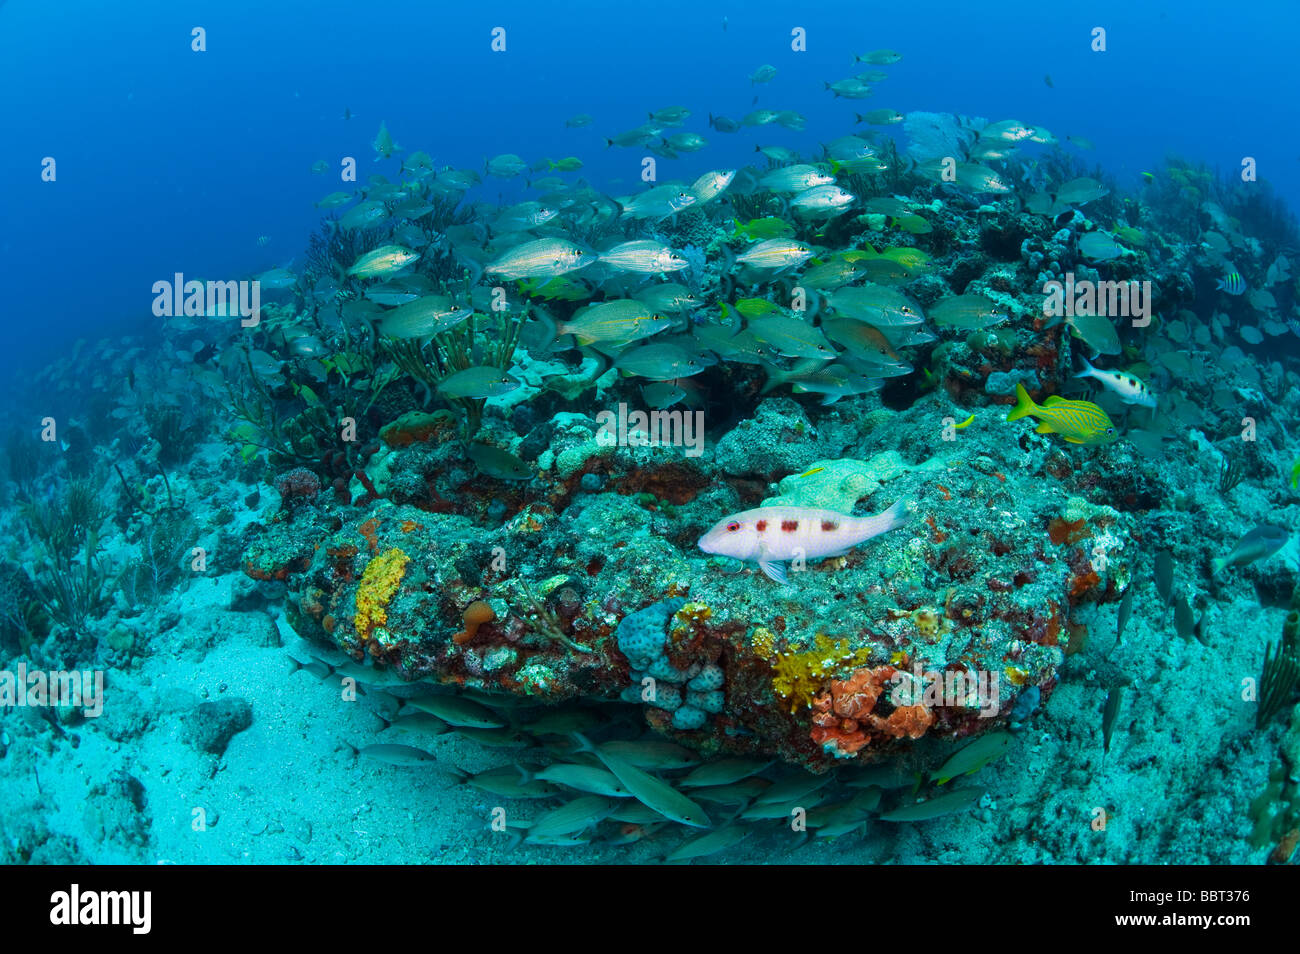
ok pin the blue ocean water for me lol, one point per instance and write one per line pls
(174, 160)
(130, 156)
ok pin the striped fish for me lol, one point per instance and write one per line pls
(1232, 283)
(776, 253)
(1079, 422)
(540, 258)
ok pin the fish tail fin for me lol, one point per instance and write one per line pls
(458, 773)
(1088, 370)
(864, 528)
(551, 331)
(775, 376)
(900, 514)
(584, 744)
(1217, 565)
(1024, 404)
(475, 271)
(726, 283)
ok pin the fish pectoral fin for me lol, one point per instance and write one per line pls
(1045, 428)
(774, 569)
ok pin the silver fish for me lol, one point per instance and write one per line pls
(541, 258)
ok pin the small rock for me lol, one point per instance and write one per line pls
(210, 726)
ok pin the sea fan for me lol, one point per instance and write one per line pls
(695, 256)
(934, 135)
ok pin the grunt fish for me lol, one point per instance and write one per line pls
(652, 792)
(383, 261)
(1079, 422)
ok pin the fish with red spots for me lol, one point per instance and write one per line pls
(772, 536)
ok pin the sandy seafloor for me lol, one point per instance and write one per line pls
(1184, 765)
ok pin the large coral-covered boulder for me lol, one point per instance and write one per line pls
(933, 629)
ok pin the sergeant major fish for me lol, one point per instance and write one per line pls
(1232, 283)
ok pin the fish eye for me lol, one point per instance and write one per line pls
(733, 526)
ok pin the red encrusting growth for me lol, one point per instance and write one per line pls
(939, 535)
(1067, 531)
(845, 719)
(789, 526)
(1082, 583)
(368, 530)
